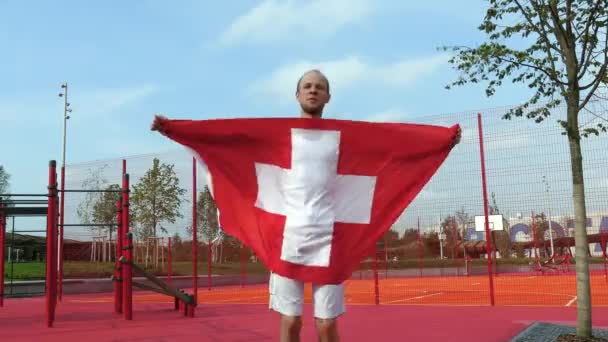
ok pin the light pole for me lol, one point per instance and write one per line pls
(66, 110)
(549, 214)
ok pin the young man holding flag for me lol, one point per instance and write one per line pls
(311, 197)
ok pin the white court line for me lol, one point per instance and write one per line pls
(571, 301)
(408, 299)
(228, 300)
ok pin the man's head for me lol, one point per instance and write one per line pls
(312, 93)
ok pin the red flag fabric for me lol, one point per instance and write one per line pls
(311, 197)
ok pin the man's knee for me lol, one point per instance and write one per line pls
(327, 328)
(293, 324)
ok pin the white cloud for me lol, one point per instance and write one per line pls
(347, 72)
(508, 143)
(274, 21)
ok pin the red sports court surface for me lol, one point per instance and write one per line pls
(79, 319)
(429, 309)
(527, 290)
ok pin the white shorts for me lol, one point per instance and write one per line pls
(287, 298)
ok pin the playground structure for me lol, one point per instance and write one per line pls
(123, 256)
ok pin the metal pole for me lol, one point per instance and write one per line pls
(376, 286)
(127, 252)
(169, 261)
(455, 241)
(535, 247)
(117, 265)
(50, 246)
(549, 217)
(420, 255)
(242, 265)
(66, 110)
(485, 208)
(440, 240)
(194, 240)
(2, 243)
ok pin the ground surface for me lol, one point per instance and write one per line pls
(91, 318)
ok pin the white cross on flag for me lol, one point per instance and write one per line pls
(311, 197)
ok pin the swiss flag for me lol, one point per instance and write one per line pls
(311, 197)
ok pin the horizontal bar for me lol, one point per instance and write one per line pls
(24, 201)
(24, 195)
(167, 288)
(24, 211)
(151, 288)
(28, 231)
(85, 191)
(86, 225)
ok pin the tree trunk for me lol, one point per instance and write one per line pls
(583, 288)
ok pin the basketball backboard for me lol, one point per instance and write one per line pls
(495, 223)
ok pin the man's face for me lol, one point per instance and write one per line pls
(313, 94)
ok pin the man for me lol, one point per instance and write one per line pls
(287, 295)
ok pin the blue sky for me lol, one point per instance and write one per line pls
(125, 61)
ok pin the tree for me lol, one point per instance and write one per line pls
(207, 225)
(104, 209)
(156, 198)
(4, 180)
(94, 181)
(558, 49)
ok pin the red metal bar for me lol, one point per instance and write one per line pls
(386, 247)
(485, 208)
(127, 252)
(420, 256)
(194, 241)
(455, 240)
(604, 246)
(242, 265)
(169, 261)
(209, 255)
(117, 266)
(2, 241)
(51, 237)
(376, 287)
(61, 228)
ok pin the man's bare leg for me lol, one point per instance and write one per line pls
(290, 328)
(327, 329)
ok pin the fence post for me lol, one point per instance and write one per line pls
(376, 287)
(169, 261)
(127, 252)
(117, 266)
(485, 208)
(2, 242)
(51, 239)
(194, 241)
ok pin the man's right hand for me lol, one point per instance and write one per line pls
(158, 123)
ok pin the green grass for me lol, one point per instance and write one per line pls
(82, 269)
(25, 270)
(74, 270)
